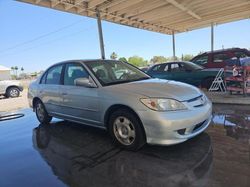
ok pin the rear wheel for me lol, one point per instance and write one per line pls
(12, 92)
(126, 130)
(206, 83)
(41, 113)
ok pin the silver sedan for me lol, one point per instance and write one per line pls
(122, 99)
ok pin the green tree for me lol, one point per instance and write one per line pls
(137, 61)
(113, 56)
(22, 69)
(187, 57)
(158, 59)
(123, 59)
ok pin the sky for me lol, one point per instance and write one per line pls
(35, 37)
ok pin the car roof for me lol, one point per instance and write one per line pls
(170, 62)
(84, 60)
(223, 50)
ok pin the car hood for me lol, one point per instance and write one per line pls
(10, 82)
(161, 88)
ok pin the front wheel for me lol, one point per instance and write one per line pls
(12, 92)
(126, 130)
(41, 113)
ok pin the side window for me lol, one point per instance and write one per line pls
(201, 60)
(43, 80)
(177, 68)
(240, 54)
(54, 75)
(73, 72)
(221, 57)
(161, 68)
(156, 68)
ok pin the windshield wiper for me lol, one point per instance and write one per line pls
(126, 81)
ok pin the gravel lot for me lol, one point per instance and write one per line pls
(11, 104)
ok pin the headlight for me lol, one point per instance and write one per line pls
(158, 104)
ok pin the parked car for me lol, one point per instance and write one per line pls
(133, 107)
(218, 58)
(10, 88)
(187, 72)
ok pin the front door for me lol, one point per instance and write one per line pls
(79, 103)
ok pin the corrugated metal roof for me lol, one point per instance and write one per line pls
(164, 16)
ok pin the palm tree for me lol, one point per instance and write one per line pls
(22, 69)
(16, 68)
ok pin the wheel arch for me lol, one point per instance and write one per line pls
(35, 99)
(203, 81)
(116, 107)
(12, 86)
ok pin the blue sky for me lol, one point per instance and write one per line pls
(76, 37)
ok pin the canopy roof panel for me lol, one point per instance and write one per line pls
(163, 16)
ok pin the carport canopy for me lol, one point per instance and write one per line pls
(163, 16)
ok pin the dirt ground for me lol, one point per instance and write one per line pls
(11, 104)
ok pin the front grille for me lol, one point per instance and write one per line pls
(198, 126)
(198, 101)
(194, 99)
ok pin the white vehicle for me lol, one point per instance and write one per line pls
(10, 88)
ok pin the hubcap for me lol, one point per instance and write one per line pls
(14, 93)
(40, 111)
(124, 130)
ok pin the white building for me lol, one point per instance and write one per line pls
(4, 73)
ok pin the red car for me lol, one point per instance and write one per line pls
(217, 59)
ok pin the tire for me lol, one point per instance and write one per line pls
(126, 130)
(12, 92)
(41, 113)
(206, 83)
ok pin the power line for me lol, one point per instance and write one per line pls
(40, 37)
(48, 42)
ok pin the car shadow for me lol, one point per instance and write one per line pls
(85, 156)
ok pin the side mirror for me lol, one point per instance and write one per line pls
(85, 82)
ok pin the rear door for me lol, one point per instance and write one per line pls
(50, 89)
(179, 73)
(79, 103)
(219, 59)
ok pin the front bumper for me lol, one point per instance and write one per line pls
(20, 88)
(167, 128)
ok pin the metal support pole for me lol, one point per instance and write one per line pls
(173, 40)
(99, 23)
(212, 37)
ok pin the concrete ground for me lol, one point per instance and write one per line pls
(10, 104)
(69, 154)
(226, 98)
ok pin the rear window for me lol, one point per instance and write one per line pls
(241, 54)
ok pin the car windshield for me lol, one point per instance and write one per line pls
(192, 66)
(115, 72)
